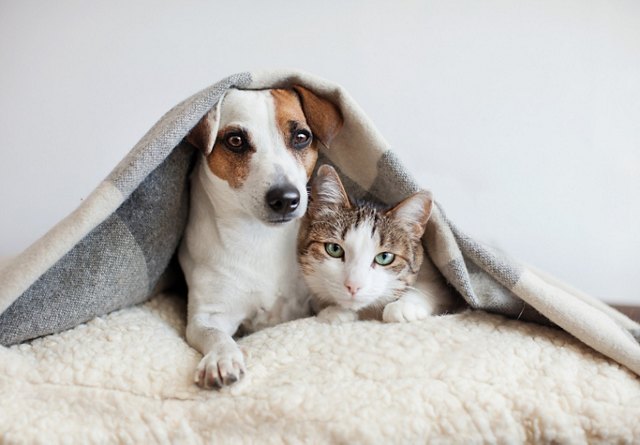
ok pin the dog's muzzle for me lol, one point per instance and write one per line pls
(282, 200)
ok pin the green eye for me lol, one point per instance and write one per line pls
(334, 250)
(384, 258)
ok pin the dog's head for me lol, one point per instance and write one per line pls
(261, 147)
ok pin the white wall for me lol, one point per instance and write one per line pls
(522, 116)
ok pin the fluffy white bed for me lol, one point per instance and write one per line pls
(465, 378)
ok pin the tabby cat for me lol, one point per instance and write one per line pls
(363, 261)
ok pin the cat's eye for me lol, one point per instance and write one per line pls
(334, 250)
(384, 258)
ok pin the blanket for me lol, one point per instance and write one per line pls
(115, 250)
(471, 377)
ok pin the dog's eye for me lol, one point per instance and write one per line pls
(301, 139)
(235, 142)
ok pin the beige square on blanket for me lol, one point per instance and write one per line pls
(465, 378)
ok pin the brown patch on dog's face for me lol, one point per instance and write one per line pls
(291, 121)
(228, 161)
(200, 134)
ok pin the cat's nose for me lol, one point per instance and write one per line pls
(352, 288)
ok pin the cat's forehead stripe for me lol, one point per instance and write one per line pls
(358, 216)
(376, 221)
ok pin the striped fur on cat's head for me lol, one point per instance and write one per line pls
(355, 254)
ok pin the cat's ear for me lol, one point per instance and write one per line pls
(414, 212)
(327, 189)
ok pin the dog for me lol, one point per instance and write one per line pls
(248, 191)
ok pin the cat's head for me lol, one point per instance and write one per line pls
(358, 255)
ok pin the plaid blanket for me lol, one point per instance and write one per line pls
(115, 250)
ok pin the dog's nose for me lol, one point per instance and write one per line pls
(283, 199)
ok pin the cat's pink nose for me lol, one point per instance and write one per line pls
(352, 288)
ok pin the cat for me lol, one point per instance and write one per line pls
(361, 261)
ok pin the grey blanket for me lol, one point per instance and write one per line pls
(115, 250)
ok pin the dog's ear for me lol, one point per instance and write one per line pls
(204, 134)
(324, 118)
(327, 190)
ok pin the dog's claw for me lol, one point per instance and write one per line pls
(213, 381)
(229, 379)
(218, 370)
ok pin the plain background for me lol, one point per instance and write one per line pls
(523, 116)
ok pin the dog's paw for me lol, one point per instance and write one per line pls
(220, 367)
(403, 311)
(336, 315)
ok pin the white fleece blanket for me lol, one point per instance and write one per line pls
(465, 378)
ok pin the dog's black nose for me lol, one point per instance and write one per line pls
(283, 199)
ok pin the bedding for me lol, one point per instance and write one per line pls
(471, 377)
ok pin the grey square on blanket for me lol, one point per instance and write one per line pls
(115, 265)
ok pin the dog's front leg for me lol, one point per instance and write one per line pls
(223, 362)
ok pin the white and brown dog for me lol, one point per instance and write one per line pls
(248, 191)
